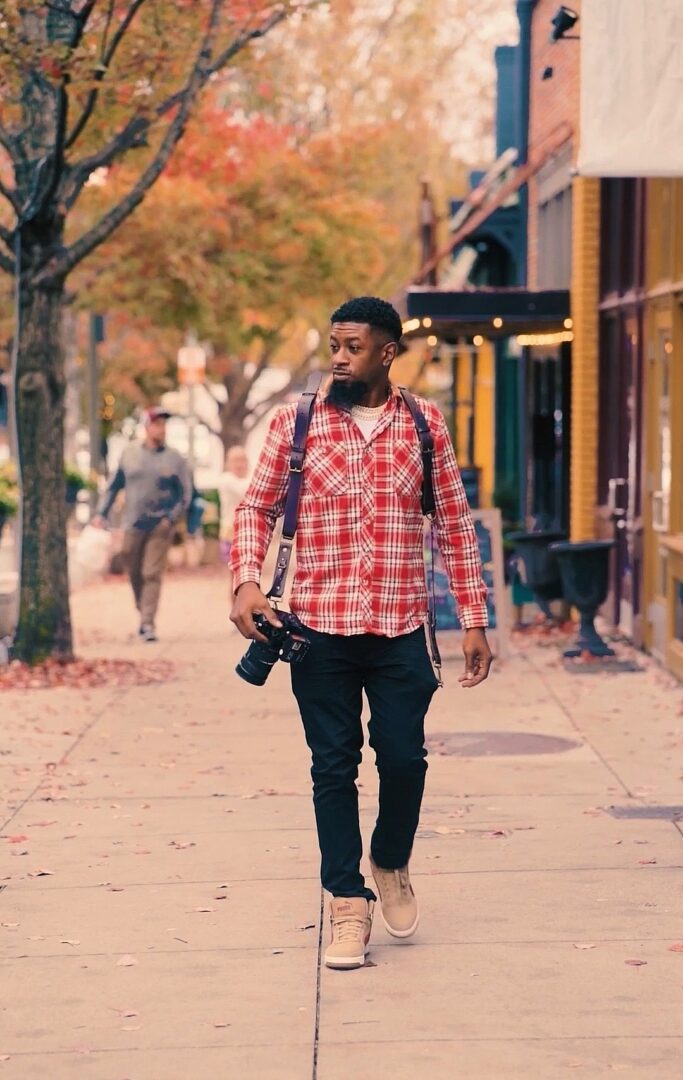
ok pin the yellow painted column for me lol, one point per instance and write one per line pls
(484, 427)
(585, 355)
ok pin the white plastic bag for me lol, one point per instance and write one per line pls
(93, 551)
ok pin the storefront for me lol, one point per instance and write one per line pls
(621, 420)
(663, 481)
(511, 418)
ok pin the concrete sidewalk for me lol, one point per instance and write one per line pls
(161, 912)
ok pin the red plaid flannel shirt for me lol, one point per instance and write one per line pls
(359, 541)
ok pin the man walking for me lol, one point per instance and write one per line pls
(158, 489)
(360, 592)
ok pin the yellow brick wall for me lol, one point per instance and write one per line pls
(584, 301)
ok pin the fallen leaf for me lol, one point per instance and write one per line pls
(636, 963)
(442, 830)
(581, 945)
(69, 941)
(646, 862)
(126, 961)
(277, 952)
(308, 926)
(676, 947)
(131, 1027)
(203, 910)
(130, 1013)
(41, 873)
(20, 839)
(221, 1024)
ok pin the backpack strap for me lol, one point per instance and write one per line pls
(427, 451)
(302, 423)
(429, 510)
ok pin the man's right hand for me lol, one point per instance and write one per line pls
(250, 601)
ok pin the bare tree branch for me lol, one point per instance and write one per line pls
(7, 264)
(101, 70)
(7, 236)
(251, 35)
(278, 395)
(135, 132)
(60, 267)
(11, 196)
(82, 18)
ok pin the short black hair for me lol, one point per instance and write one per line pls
(374, 312)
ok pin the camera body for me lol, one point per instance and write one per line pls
(287, 643)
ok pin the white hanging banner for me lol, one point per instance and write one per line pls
(631, 87)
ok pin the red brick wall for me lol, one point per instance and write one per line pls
(550, 101)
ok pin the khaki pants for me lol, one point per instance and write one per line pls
(145, 556)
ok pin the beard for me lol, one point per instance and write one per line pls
(345, 394)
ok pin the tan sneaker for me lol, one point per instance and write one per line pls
(351, 922)
(399, 906)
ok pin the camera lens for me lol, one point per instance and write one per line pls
(255, 665)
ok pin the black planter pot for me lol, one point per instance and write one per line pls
(3, 519)
(584, 568)
(542, 570)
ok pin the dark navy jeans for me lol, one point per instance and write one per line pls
(397, 678)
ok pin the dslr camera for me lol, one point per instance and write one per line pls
(287, 643)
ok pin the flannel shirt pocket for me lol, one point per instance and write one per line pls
(325, 471)
(407, 471)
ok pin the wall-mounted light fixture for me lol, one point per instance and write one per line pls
(562, 21)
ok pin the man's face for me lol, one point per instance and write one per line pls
(156, 431)
(359, 353)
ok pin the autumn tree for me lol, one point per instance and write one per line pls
(422, 72)
(248, 239)
(85, 84)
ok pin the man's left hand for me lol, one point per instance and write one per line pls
(478, 657)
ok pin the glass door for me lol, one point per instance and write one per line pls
(660, 483)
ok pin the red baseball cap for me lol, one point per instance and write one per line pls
(156, 412)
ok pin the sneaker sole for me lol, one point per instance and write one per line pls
(345, 962)
(401, 933)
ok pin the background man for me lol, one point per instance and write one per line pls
(360, 591)
(158, 489)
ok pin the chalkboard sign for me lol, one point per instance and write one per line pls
(488, 527)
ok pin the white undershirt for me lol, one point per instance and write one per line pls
(367, 419)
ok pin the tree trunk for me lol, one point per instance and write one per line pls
(233, 431)
(44, 628)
